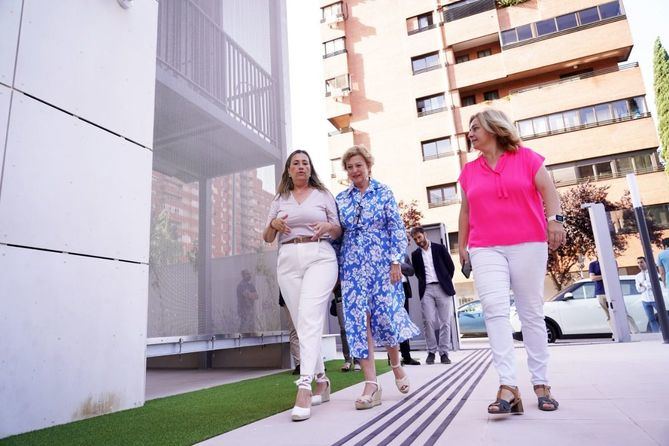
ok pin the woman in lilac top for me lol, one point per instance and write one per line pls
(304, 216)
(503, 232)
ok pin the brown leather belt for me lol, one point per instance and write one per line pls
(301, 240)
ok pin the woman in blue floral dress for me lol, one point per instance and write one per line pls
(373, 246)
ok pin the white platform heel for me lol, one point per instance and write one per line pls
(302, 413)
(324, 396)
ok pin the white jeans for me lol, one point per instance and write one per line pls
(307, 273)
(522, 268)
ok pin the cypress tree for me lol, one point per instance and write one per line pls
(661, 84)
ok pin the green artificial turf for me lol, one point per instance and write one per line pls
(190, 417)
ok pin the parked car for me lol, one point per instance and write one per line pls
(575, 311)
(470, 319)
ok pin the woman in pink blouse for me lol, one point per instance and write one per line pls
(510, 210)
(304, 216)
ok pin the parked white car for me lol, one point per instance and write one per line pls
(575, 311)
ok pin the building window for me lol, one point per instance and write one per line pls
(484, 53)
(616, 166)
(524, 32)
(430, 104)
(590, 15)
(425, 62)
(491, 95)
(659, 214)
(509, 36)
(546, 27)
(436, 148)
(563, 22)
(420, 23)
(453, 245)
(577, 74)
(466, 101)
(332, 12)
(584, 117)
(566, 21)
(608, 10)
(462, 58)
(338, 86)
(334, 47)
(442, 195)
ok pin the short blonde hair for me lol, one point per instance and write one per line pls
(358, 149)
(498, 123)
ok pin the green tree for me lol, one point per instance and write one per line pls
(661, 84)
(505, 3)
(410, 214)
(580, 239)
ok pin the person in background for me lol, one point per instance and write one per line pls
(246, 303)
(434, 270)
(349, 362)
(663, 263)
(644, 287)
(373, 246)
(405, 346)
(595, 271)
(510, 209)
(304, 217)
(292, 335)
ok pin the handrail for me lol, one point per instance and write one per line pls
(608, 176)
(600, 72)
(196, 48)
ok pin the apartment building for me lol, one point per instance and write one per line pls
(404, 77)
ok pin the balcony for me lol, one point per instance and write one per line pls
(604, 40)
(462, 114)
(598, 86)
(335, 64)
(338, 109)
(466, 8)
(205, 80)
(339, 142)
(592, 142)
(471, 29)
(480, 71)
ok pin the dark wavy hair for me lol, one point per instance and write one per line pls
(286, 183)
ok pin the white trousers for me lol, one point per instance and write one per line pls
(521, 268)
(307, 273)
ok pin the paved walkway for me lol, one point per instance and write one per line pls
(610, 394)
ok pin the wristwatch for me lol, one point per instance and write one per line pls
(557, 217)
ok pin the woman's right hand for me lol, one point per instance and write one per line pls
(464, 255)
(279, 224)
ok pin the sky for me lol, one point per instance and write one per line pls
(647, 20)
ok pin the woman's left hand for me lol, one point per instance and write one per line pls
(556, 235)
(395, 273)
(320, 229)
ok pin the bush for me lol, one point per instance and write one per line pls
(506, 3)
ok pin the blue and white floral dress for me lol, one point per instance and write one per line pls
(374, 236)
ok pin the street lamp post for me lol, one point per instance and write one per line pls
(648, 253)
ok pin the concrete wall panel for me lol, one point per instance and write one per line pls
(70, 186)
(74, 342)
(93, 59)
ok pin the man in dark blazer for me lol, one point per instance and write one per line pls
(434, 270)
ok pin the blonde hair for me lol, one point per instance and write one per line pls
(286, 183)
(498, 123)
(358, 149)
